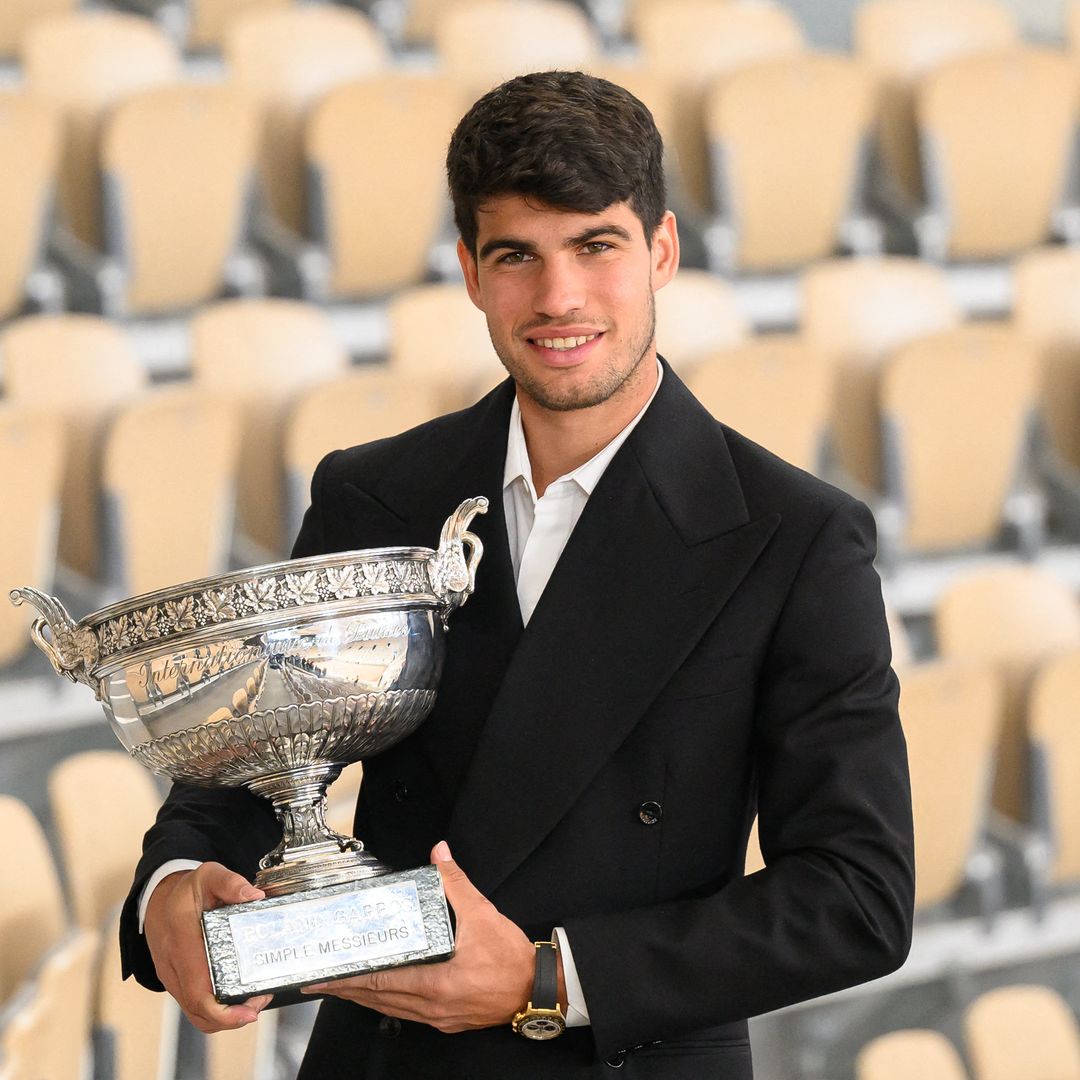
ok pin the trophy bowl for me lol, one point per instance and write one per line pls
(275, 678)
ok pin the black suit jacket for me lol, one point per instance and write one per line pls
(712, 641)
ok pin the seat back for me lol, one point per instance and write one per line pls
(903, 40)
(258, 355)
(179, 164)
(857, 312)
(964, 396)
(997, 133)
(1046, 310)
(1055, 736)
(694, 43)
(29, 134)
(794, 124)
(210, 20)
(31, 462)
(1014, 617)
(903, 1055)
(1022, 1033)
(32, 917)
(773, 390)
(697, 315)
(86, 62)
(951, 714)
(16, 17)
(79, 367)
(287, 58)
(376, 148)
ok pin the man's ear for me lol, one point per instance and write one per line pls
(665, 251)
(471, 272)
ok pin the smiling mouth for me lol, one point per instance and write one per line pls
(560, 344)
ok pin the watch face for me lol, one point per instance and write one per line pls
(541, 1027)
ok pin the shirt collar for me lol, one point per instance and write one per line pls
(586, 475)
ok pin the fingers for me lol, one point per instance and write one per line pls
(459, 890)
(216, 885)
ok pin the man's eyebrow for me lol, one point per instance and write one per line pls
(507, 243)
(609, 229)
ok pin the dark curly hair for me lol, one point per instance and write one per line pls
(567, 139)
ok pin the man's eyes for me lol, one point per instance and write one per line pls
(516, 258)
(513, 258)
(597, 247)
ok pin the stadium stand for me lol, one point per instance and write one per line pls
(697, 314)
(209, 20)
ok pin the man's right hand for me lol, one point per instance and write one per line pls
(173, 930)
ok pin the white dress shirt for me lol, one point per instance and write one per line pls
(537, 530)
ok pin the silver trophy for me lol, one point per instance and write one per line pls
(276, 678)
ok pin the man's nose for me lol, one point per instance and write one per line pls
(560, 288)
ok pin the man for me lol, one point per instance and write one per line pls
(671, 630)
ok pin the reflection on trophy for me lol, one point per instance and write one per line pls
(276, 678)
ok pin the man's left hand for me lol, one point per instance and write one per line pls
(486, 981)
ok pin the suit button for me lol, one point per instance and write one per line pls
(401, 790)
(650, 812)
(389, 1027)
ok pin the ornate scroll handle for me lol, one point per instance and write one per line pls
(73, 650)
(452, 576)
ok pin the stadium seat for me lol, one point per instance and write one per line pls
(79, 367)
(86, 62)
(775, 391)
(797, 124)
(287, 58)
(31, 462)
(697, 315)
(691, 44)
(965, 397)
(16, 17)
(857, 312)
(1014, 617)
(341, 798)
(905, 1055)
(1022, 1033)
(997, 135)
(901, 41)
(30, 133)
(375, 150)
(178, 166)
(169, 482)
(209, 20)
(258, 355)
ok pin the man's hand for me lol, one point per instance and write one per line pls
(486, 981)
(173, 930)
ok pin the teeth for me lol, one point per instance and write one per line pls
(564, 343)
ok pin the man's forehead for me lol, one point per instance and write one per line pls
(522, 213)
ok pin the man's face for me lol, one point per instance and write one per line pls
(568, 296)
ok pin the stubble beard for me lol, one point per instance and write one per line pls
(604, 384)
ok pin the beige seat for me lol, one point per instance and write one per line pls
(209, 20)
(964, 397)
(341, 798)
(287, 58)
(438, 337)
(1055, 748)
(901, 41)
(79, 367)
(692, 44)
(17, 16)
(1022, 1033)
(796, 124)
(951, 713)
(902, 650)
(1014, 617)
(997, 133)
(857, 312)
(86, 62)
(246, 1052)
(773, 390)
(30, 134)
(169, 481)
(31, 461)
(697, 315)
(905, 1055)
(376, 149)
(258, 355)
(179, 164)
(32, 917)
(527, 35)
(754, 860)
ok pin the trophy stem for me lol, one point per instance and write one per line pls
(311, 854)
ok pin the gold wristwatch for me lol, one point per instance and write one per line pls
(542, 1018)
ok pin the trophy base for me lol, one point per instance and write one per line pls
(286, 942)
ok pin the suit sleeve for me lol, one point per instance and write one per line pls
(833, 907)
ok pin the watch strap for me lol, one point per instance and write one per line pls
(545, 993)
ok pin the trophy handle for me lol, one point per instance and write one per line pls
(72, 649)
(452, 575)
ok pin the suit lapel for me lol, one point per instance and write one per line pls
(662, 543)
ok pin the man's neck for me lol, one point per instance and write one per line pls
(558, 442)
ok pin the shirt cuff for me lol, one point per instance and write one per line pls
(156, 878)
(577, 1014)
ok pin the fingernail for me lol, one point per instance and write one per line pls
(249, 892)
(442, 852)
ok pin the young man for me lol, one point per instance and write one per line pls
(671, 630)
